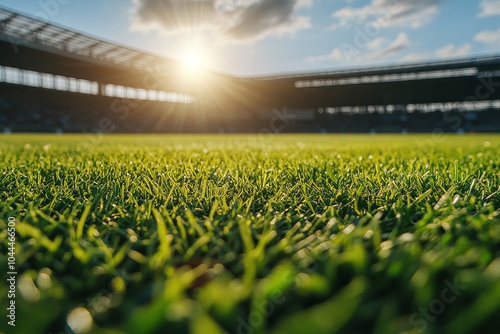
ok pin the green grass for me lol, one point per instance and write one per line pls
(248, 234)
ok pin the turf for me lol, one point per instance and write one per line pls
(253, 234)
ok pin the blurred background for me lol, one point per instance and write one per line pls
(227, 66)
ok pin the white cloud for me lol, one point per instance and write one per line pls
(374, 49)
(383, 13)
(416, 56)
(451, 50)
(447, 51)
(237, 20)
(401, 42)
(489, 8)
(347, 15)
(376, 44)
(490, 37)
(336, 54)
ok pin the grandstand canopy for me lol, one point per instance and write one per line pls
(46, 59)
(20, 29)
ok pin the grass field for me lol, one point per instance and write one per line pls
(252, 234)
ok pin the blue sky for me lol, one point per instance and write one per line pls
(253, 37)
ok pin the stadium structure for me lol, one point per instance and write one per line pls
(56, 79)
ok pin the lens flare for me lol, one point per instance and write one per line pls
(193, 60)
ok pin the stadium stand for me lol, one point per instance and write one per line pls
(56, 79)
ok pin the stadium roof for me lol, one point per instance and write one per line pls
(20, 29)
(435, 65)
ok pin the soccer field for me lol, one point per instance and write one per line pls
(256, 234)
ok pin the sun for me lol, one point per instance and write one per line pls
(193, 60)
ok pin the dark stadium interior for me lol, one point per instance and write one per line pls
(53, 79)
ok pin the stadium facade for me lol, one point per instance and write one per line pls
(56, 79)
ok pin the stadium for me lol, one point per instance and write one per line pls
(136, 198)
(73, 79)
